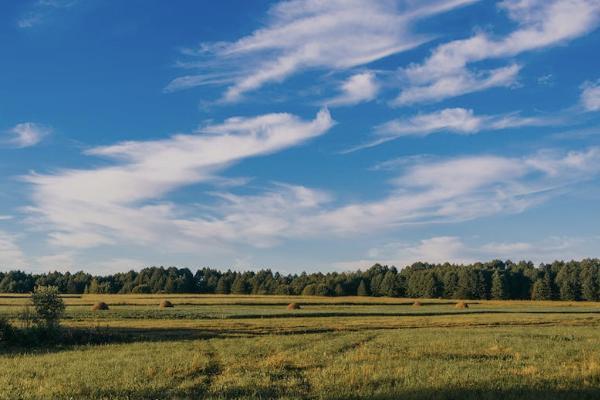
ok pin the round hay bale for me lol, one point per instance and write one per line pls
(461, 304)
(294, 306)
(100, 306)
(166, 304)
(417, 304)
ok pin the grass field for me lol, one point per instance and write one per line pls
(238, 347)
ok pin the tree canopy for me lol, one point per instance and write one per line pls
(573, 280)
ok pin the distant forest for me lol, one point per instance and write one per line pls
(573, 280)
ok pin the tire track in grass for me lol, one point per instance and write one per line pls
(201, 376)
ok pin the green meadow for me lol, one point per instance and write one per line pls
(253, 347)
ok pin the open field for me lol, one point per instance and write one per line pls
(233, 347)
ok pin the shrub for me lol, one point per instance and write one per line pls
(294, 306)
(417, 304)
(6, 330)
(166, 304)
(100, 306)
(26, 317)
(461, 304)
(48, 306)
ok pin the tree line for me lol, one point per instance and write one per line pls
(573, 280)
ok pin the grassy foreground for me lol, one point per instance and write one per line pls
(238, 347)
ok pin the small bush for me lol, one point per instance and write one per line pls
(461, 304)
(6, 330)
(26, 317)
(100, 306)
(166, 304)
(417, 304)
(294, 306)
(48, 306)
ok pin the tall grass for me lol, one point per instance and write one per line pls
(493, 350)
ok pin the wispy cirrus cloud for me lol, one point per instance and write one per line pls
(454, 120)
(26, 134)
(312, 34)
(40, 10)
(123, 201)
(428, 191)
(590, 96)
(11, 254)
(458, 250)
(541, 23)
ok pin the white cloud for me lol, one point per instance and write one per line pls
(27, 134)
(455, 120)
(122, 202)
(590, 96)
(541, 23)
(11, 255)
(426, 192)
(357, 89)
(40, 10)
(64, 261)
(456, 250)
(308, 34)
(457, 84)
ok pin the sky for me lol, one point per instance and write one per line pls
(300, 135)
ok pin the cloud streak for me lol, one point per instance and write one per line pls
(590, 96)
(312, 34)
(453, 120)
(27, 134)
(541, 23)
(122, 202)
(11, 254)
(40, 11)
(457, 250)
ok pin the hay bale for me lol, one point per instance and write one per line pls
(100, 306)
(166, 304)
(461, 304)
(294, 306)
(417, 304)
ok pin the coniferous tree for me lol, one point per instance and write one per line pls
(239, 285)
(590, 280)
(541, 290)
(94, 288)
(498, 291)
(568, 282)
(339, 290)
(362, 289)
(431, 286)
(222, 286)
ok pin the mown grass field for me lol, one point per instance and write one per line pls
(252, 347)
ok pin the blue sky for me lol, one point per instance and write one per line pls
(297, 135)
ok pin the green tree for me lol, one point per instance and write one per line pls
(432, 287)
(568, 282)
(362, 289)
(541, 290)
(590, 280)
(499, 291)
(339, 290)
(94, 287)
(48, 306)
(239, 285)
(170, 285)
(222, 286)
(142, 289)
